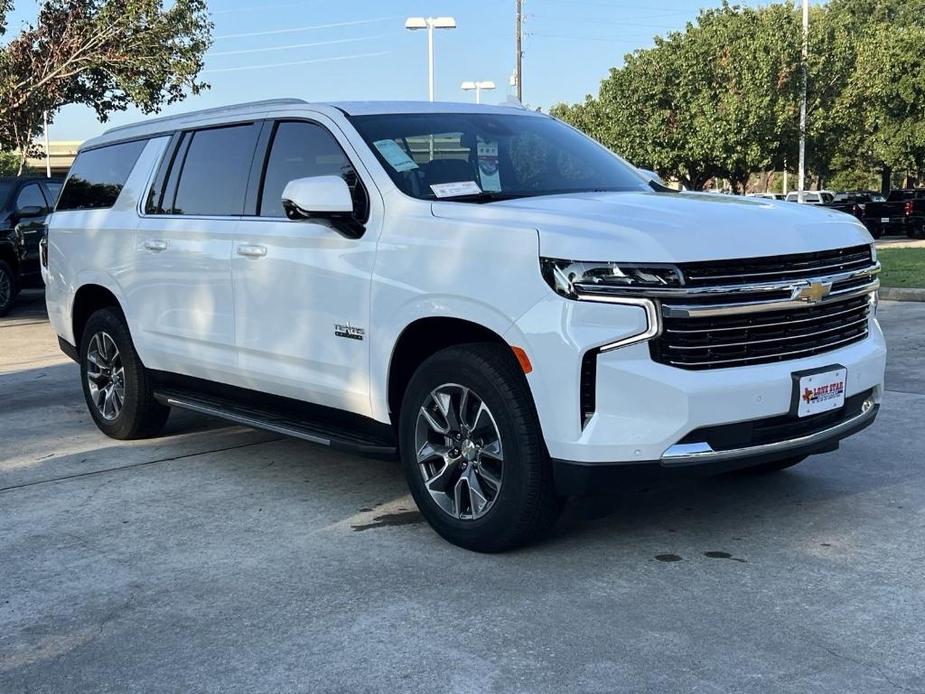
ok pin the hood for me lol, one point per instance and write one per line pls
(666, 227)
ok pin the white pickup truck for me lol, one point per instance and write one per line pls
(512, 309)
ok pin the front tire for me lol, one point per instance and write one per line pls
(116, 385)
(8, 288)
(473, 452)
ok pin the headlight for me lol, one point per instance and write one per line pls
(578, 279)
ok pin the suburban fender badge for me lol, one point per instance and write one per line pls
(814, 293)
(349, 332)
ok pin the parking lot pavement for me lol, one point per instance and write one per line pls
(220, 559)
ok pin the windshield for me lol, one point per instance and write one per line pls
(485, 157)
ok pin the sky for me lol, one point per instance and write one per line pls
(326, 50)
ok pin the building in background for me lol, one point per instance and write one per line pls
(61, 153)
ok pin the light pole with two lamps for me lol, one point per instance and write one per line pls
(430, 23)
(478, 87)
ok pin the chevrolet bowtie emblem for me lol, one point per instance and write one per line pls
(815, 292)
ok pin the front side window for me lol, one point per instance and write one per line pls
(489, 156)
(303, 150)
(30, 196)
(54, 191)
(98, 175)
(215, 168)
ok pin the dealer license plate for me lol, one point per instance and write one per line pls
(822, 391)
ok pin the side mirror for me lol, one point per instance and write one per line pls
(29, 212)
(323, 197)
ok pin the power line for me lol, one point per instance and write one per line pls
(252, 8)
(299, 62)
(596, 20)
(309, 28)
(573, 37)
(294, 45)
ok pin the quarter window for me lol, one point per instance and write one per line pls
(213, 180)
(303, 150)
(98, 175)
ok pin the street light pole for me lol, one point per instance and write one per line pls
(478, 87)
(519, 51)
(430, 61)
(801, 174)
(430, 23)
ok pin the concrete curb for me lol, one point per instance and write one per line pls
(902, 294)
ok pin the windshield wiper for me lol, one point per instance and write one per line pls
(483, 197)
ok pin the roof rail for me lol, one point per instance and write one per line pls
(210, 111)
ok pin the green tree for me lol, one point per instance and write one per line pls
(887, 92)
(105, 54)
(9, 163)
(719, 99)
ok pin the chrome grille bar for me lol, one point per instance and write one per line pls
(776, 357)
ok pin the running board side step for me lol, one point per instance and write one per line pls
(281, 422)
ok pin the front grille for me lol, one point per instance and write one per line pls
(747, 312)
(761, 338)
(776, 268)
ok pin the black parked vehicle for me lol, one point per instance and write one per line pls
(25, 203)
(854, 202)
(902, 213)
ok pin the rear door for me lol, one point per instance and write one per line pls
(181, 293)
(302, 288)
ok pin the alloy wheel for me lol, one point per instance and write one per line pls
(459, 451)
(105, 376)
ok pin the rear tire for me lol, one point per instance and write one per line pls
(473, 452)
(116, 385)
(8, 288)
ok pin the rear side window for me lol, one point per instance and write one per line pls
(98, 175)
(30, 195)
(302, 150)
(215, 169)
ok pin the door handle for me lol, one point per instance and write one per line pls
(156, 245)
(251, 251)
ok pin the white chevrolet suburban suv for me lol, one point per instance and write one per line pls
(512, 309)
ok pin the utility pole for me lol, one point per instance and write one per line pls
(47, 150)
(519, 48)
(801, 174)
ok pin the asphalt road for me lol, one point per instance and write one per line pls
(219, 559)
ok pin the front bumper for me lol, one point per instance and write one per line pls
(644, 410)
(700, 458)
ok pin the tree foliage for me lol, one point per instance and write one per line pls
(722, 97)
(105, 54)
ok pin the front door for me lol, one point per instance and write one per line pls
(30, 230)
(301, 289)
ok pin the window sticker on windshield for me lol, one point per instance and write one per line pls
(488, 166)
(451, 190)
(397, 157)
